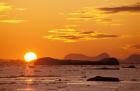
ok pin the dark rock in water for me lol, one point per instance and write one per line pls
(99, 78)
(109, 61)
(134, 80)
(130, 66)
(105, 68)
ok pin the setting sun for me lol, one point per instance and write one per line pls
(30, 56)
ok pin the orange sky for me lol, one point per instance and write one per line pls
(58, 27)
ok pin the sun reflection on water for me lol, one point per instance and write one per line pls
(29, 72)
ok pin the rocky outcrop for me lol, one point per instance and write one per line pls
(100, 78)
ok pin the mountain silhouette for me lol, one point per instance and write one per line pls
(79, 59)
(75, 56)
(52, 61)
(132, 59)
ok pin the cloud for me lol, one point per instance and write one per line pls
(105, 36)
(88, 14)
(102, 15)
(11, 21)
(5, 7)
(87, 32)
(135, 47)
(72, 35)
(92, 14)
(129, 8)
(21, 9)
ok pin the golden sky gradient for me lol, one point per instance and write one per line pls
(58, 27)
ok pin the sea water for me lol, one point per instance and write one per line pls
(67, 78)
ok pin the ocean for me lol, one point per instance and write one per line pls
(67, 78)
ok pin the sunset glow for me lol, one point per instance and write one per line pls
(56, 28)
(49, 45)
(30, 56)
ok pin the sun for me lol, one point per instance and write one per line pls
(30, 56)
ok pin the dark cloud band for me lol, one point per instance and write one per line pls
(131, 8)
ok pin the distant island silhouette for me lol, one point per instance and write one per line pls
(51, 61)
(131, 59)
(81, 59)
(76, 56)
